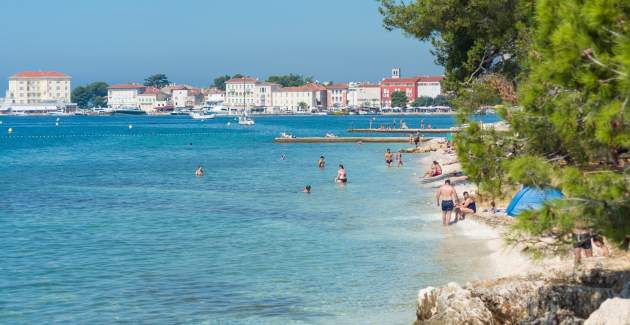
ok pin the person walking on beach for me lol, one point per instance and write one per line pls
(341, 175)
(321, 163)
(389, 157)
(446, 197)
(399, 158)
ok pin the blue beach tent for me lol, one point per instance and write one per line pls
(530, 198)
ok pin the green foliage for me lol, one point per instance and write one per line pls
(471, 37)
(157, 80)
(422, 101)
(483, 154)
(238, 75)
(530, 171)
(399, 99)
(219, 82)
(302, 105)
(92, 95)
(290, 80)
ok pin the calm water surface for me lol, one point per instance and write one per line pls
(104, 224)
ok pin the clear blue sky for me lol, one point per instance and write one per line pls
(193, 41)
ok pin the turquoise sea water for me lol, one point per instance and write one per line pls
(103, 224)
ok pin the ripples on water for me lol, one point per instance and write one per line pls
(102, 224)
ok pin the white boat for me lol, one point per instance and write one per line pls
(330, 135)
(286, 136)
(202, 116)
(245, 120)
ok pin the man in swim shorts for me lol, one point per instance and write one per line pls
(446, 197)
(389, 157)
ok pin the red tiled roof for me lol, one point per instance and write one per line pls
(151, 91)
(368, 86)
(40, 74)
(337, 86)
(241, 80)
(315, 87)
(126, 86)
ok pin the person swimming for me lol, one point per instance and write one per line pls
(307, 189)
(199, 172)
(341, 175)
(322, 162)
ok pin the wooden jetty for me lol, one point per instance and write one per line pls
(344, 140)
(412, 131)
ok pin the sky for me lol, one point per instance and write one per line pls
(194, 41)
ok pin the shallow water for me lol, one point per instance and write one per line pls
(100, 223)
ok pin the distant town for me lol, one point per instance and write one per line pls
(50, 92)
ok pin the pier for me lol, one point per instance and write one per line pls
(411, 131)
(344, 140)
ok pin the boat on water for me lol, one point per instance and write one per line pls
(202, 116)
(245, 120)
(285, 135)
(180, 112)
(128, 111)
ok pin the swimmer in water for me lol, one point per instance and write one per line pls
(307, 189)
(399, 158)
(341, 175)
(322, 162)
(199, 172)
(283, 157)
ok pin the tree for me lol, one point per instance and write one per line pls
(422, 101)
(92, 95)
(219, 82)
(290, 80)
(470, 38)
(399, 99)
(238, 75)
(302, 106)
(157, 80)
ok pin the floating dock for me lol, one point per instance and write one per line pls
(412, 131)
(344, 140)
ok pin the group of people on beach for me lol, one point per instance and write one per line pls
(448, 200)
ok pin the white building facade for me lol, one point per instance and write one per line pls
(364, 95)
(430, 86)
(301, 99)
(263, 93)
(124, 95)
(240, 93)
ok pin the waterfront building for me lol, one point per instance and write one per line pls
(124, 95)
(215, 96)
(412, 87)
(240, 93)
(38, 92)
(302, 99)
(263, 94)
(430, 86)
(337, 95)
(364, 95)
(148, 99)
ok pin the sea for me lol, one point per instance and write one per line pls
(102, 221)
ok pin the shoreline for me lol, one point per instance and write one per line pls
(499, 283)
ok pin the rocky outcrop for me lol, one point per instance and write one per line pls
(536, 299)
(613, 311)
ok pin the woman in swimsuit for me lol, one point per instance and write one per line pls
(341, 175)
(468, 207)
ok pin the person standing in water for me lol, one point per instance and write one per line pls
(341, 175)
(322, 162)
(399, 158)
(446, 197)
(389, 158)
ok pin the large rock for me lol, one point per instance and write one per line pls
(566, 299)
(451, 305)
(615, 311)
